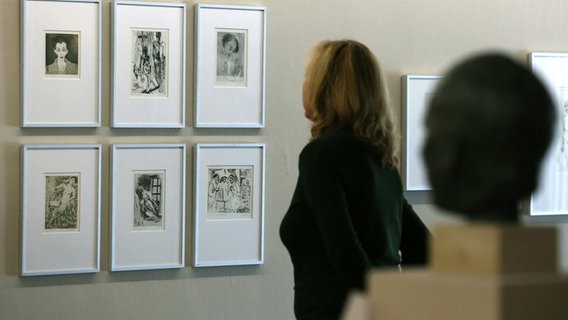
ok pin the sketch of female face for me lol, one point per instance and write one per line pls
(61, 50)
(230, 46)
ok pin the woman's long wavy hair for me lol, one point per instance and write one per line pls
(345, 92)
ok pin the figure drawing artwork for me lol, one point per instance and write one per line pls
(149, 63)
(563, 129)
(231, 57)
(149, 195)
(551, 194)
(62, 54)
(62, 202)
(558, 167)
(229, 192)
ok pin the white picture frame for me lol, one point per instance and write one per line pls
(230, 58)
(416, 93)
(148, 206)
(229, 205)
(148, 64)
(61, 53)
(550, 198)
(60, 216)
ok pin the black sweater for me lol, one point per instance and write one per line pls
(347, 215)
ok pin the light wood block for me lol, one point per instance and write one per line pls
(431, 295)
(493, 249)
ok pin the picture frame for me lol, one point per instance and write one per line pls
(148, 206)
(550, 196)
(148, 64)
(416, 93)
(60, 217)
(229, 205)
(67, 36)
(230, 58)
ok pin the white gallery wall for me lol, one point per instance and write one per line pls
(409, 37)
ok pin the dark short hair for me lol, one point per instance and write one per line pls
(59, 39)
(488, 125)
(228, 37)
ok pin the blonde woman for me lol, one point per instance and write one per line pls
(348, 213)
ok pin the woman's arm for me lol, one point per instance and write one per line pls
(414, 238)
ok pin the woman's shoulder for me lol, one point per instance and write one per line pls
(327, 142)
(336, 145)
(335, 139)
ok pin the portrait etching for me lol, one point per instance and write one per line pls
(229, 192)
(149, 195)
(62, 56)
(231, 57)
(61, 202)
(149, 72)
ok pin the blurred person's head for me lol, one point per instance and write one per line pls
(488, 127)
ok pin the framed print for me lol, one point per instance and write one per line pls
(550, 197)
(148, 206)
(229, 204)
(60, 209)
(148, 64)
(416, 93)
(230, 66)
(61, 63)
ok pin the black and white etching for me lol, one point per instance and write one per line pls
(61, 202)
(231, 57)
(149, 63)
(553, 184)
(62, 54)
(229, 192)
(563, 113)
(149, 195)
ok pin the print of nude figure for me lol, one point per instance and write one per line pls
(61, 202)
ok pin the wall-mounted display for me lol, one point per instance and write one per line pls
(229, 204)
(551, 196)
(149, 49)
(60, 209)
(416, 93)
(148, 206)
(61, 63)
(230, 66)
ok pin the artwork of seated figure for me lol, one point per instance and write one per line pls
(488, 127)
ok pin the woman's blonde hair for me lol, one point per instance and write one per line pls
(345, 91)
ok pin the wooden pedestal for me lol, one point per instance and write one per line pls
(478, 272)
(493, 249)
(420, 295)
